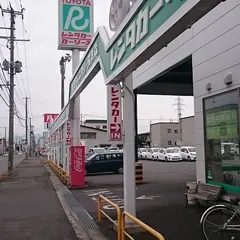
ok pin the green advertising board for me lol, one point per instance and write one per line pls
(122, 47)
(75, 24)
(221, 124)
(76, 18)
(144, 31)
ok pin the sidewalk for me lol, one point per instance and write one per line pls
(29, 206)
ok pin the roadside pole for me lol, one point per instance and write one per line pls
(76, 108)
(129, 148)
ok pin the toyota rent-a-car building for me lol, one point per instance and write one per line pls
(204, 62)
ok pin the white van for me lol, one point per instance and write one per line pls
(96, 150)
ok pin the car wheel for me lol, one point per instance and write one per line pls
(120, 171)
(189, 159)
(153, 158)
(157, 159)
(166, 159)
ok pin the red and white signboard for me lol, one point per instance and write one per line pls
(48, 119)
(68, 133)
(77, 166)
(114, 113)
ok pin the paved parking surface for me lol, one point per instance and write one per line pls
(160, 200)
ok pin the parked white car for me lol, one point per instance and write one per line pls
(168, 154)
(173, 154)
(20, 153)
(150, 153)
(235, 149)
(142, 153)
(113, 149)
(188, 153)
(5, 154)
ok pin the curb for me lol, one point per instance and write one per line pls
(82, 223)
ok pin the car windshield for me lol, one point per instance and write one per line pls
(91, 157)
(192, 149)
(175, 150)
(168, 150)
(143, 149)
(155, 150)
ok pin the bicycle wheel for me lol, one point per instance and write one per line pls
(215, 221)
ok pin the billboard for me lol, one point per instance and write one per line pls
(114, 110)
(48, 119)
(68, 133)
(75, 24)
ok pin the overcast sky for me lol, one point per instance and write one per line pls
(40, 79)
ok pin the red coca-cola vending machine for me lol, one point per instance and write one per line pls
(77, 166)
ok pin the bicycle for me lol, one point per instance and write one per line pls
(227, 228)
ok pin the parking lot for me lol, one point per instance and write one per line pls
(160, 199)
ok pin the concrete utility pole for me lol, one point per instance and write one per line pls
(26, 125)
(62, 63)
(30, 137)
(12, 68)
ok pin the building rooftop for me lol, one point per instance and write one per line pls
(95, 121)
(96, 129)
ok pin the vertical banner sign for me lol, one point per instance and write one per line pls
(68, 133)
(114, 113)
(75, 24)
(48, 119)
(77, 166)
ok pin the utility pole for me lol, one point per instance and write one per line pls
(12, 68)
(30, 138)
(179, 103)
(26, 125)
(62, 63)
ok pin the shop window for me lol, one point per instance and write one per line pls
(176, 131)
(104, 127)
(221, 121)
(169, 130)
(88, 135)
(169, 143)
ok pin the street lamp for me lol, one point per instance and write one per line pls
(62, 63)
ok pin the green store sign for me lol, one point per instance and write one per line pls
(148, 18)
(76, 18)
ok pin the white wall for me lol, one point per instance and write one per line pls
(159, 135)
(216, 52)
(188, 131)
(214, 43)
(101, 138)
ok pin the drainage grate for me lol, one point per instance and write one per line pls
(80, 212)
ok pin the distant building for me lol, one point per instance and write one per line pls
(96, 137)
(96, 123)
(167, 134)
(164, 134)
(188, 131)
(144, 139)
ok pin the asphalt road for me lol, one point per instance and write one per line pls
(160, 200)
(4, 162)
